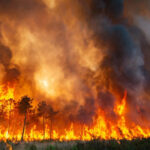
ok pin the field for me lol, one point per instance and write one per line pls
(137, 144)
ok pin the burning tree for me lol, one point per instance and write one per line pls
(81, 55)
(11, 102)
(47, 112)
(51, 115)
(23, 106)
(2, 113)
(42, 110)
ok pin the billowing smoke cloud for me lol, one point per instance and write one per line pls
(10, 72)
(82, 55)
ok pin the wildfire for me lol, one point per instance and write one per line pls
(101, 128)
(6, 92)
(73, 70)
(121, 107)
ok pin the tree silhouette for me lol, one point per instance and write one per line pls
(2, 113)
(51, 115)
(10, 103)
(42, 110)
(46, 111)
(24, 105)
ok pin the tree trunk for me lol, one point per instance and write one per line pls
(81, 132)
(25, 117)
(43, 127)
(9, 118)
(51, 129)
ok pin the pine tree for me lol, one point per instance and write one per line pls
(23, 106)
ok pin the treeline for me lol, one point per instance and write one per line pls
(11, 110)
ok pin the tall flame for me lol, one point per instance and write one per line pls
(6, 92)
(101, 128)
(82, 64)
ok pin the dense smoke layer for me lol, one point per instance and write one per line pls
(79, 55)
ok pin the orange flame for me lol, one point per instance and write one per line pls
(121, 107)
(101, 127)
(6, 92)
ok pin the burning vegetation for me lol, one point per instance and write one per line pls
(74, 70)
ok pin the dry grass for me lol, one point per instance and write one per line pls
(137, 144)
(45, 145)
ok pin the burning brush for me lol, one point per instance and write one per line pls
(74, 70)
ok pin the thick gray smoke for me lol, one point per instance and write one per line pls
(123, 65)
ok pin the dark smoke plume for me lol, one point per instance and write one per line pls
(11, 74)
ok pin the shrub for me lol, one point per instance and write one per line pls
(33, 147)
(75, 148)
(2, 146)
(50, 147)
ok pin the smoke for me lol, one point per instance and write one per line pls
(82, 54)
(10, 71)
